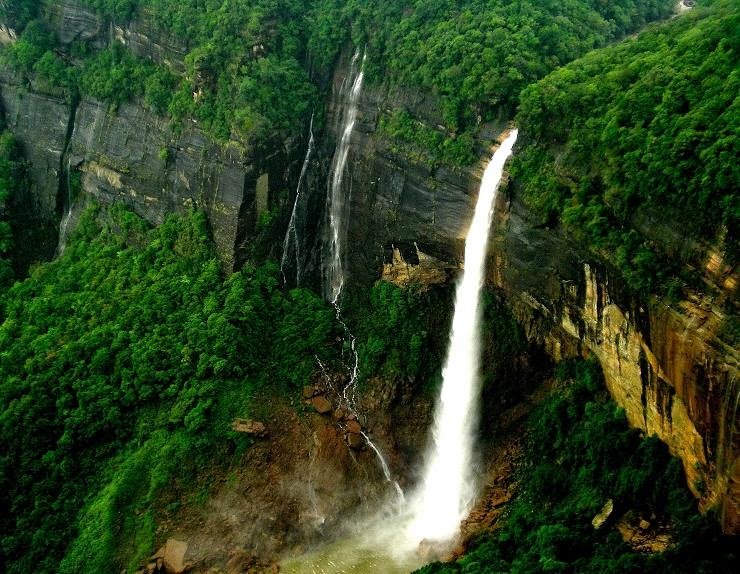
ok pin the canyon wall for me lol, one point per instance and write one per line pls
(132, 156)
(665, 365)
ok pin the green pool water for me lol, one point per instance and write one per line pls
(370, 552)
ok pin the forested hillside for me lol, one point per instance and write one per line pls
(123, 364)
(635, 142)
(253, 67)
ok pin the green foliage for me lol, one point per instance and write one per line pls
(393, 339)
(427, 144)
(477, 55)
(17, 13)
(33, 56)
(249, 62)
(646, 133)
(244, 73)
(114, 75)
(122, 365)
(12, 180)
(579, 453)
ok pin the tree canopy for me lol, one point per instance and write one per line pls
(633, 148)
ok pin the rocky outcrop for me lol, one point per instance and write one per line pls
(663, 364)
(73, 21)
(423, 270)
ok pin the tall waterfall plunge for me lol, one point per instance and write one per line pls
(448, 489)
(390, 543)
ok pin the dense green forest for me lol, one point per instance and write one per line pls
(638, 135)
(12, 176)
(254, 67)
(580, 453)
(123, 364)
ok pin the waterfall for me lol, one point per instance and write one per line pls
(337, 207)
(448, 489)
(64, 223)
(386, 470)
(336, 202)
(291, 234)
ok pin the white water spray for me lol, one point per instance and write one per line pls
(336, 202)
(449, 487)
(291, 234)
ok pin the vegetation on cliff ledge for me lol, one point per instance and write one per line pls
(634, 148)
(252, 67)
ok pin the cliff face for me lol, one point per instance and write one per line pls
(665, 365)
(132, 156)
(41, 124)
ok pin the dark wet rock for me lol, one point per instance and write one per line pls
(355, 440)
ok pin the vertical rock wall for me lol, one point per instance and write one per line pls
(664, 365)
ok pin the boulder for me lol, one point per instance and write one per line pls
(250, 427)
(603, 515)
(174, 556)
(321, 404)
(309, 391)
(354, 427)
(355, 440)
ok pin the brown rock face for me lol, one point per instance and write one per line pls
(353, 427)
(425, 270)
(664, 365)
(321, 404)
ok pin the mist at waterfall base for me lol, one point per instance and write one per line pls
(389, 541)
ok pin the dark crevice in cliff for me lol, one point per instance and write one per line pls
(63, 189)
(64, 198)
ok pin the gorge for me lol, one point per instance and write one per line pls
(238, 229)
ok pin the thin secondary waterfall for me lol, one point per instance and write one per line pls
(448, 489)
(64, 223)
(337, 202)
(337, 208)
(291, 234)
